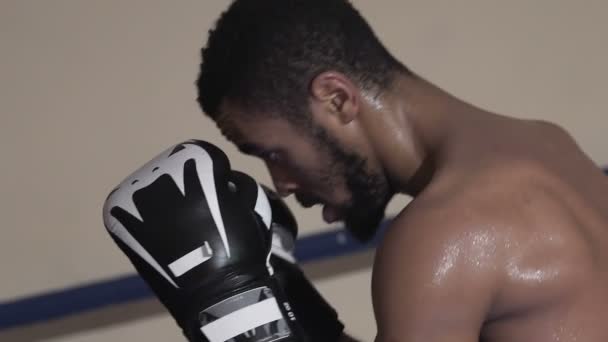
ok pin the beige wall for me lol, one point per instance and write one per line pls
(89, 90)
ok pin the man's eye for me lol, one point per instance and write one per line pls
(272, 156)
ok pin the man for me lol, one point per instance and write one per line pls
(507, 234)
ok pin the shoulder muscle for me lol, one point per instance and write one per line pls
(434, 276)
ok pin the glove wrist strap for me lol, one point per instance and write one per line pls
(258, 312)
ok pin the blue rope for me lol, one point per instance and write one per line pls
(128, 288)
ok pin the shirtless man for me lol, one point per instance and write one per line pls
(506, 238)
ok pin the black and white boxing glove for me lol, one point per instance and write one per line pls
(186, 223)
(315, 315)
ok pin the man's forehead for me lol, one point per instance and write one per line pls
(244, 126)
(236, 122)
(229, 119)
(228, 127)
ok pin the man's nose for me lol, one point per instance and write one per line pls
(284, 183)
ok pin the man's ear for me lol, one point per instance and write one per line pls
(336, 94)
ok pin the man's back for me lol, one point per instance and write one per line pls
(534, 211)
(557, 267)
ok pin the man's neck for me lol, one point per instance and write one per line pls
(418, 123)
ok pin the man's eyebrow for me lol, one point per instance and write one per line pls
(248, 148)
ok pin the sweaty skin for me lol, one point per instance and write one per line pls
(504, 248)
(506, 238)
(507, 242)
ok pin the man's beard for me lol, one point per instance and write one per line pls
(370, 192)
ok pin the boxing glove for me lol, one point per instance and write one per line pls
(186, 223)
(318, 319)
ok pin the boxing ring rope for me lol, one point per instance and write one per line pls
(59, 304)
(124, 289)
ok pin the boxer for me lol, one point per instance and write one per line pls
(217, 250)
(506, 237)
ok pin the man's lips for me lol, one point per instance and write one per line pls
(331, 214)
(307, 202)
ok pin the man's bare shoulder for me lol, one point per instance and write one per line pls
(440, 238)
(434, 261)
(495, 247)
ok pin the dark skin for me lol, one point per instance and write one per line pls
(506, 238)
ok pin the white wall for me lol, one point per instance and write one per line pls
(89, 90)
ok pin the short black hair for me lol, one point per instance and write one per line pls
(263, 54)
